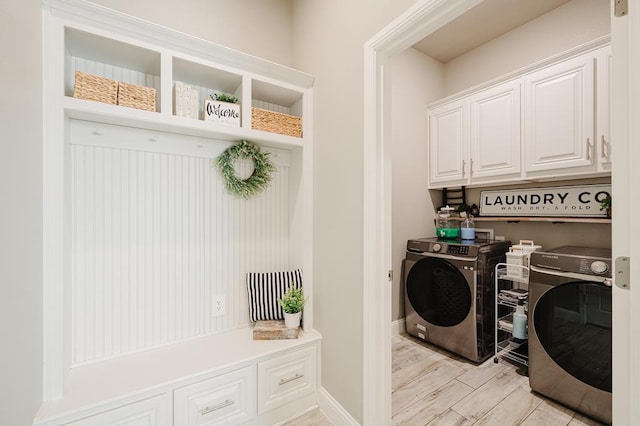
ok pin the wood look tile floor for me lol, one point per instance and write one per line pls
(434, 387)
(431, 386)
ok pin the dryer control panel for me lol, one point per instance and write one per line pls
(454, 248)
(458, 250)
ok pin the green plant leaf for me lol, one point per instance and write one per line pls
(293, 300)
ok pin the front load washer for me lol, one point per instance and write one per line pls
(570, 328)
(449, 294)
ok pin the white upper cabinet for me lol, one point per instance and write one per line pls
(476, 139)
(449, 144)
(548, 121)
(558, 117)
(603, 137)
(495, 133)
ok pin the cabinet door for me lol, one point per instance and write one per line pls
(155, 411)
(286, 378)
(495, 133)
(603, 90)
(448, 144)
(558, 117)
(226, 399)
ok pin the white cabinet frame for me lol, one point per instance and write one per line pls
(63, 19)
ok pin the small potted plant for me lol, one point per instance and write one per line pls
(292, 303)
(605, 204)
(223, 109)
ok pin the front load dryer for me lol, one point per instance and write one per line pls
(449, 294)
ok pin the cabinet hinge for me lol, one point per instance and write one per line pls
(620, 7)
(623, 272)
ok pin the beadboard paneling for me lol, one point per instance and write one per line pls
(156, 239)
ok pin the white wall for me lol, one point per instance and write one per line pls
(260, 28)
(20, 212)
(416, 81)
(328, 41)
(569, 25)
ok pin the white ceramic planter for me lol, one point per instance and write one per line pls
(292, 320)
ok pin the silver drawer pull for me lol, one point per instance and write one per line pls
(216, 407)
(291, 379)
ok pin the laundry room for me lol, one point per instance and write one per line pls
(518, 162)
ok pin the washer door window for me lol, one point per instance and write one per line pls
(438, 292)
(573, 323)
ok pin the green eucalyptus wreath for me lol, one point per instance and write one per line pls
(260, 177)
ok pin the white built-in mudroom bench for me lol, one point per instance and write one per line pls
(146, 251)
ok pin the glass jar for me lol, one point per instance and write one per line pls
(447, 223)
(468, 229)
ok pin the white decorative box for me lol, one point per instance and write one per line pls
(518, 256)
(516, 259)
(185, 101)
(222, 112)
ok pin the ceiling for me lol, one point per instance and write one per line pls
(483, 23)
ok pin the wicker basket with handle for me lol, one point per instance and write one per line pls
(276, 122)
(95, 88)
(139, 97)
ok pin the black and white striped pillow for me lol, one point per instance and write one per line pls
(264, 288)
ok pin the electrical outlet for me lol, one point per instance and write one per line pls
(219, 305)
(499, 237)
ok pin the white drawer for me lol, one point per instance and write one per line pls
(226, 399)
(154, 411)
(287, 378)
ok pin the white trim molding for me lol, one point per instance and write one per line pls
(398, 327)
(333, 410)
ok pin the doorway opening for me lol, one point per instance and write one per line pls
(423, 19)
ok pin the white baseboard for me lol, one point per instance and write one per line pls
(398, 327)
(333, 410)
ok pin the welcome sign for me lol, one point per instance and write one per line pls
(569, 201)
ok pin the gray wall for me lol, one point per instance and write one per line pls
(417, 80)
(328, 41)
(20, 212)
(260, 28)
(567, 26)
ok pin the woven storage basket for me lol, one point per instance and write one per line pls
(95, 88)
(139, 97)
(276, 122)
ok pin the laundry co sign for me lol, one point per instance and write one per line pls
(553, 201)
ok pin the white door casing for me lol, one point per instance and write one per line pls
(625, 128)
